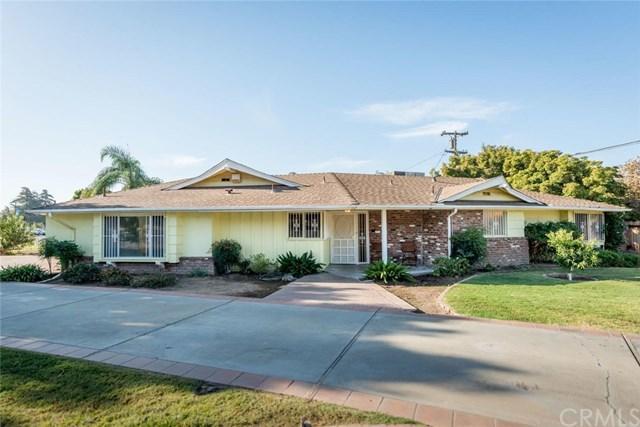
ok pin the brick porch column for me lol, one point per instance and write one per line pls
(383, 235)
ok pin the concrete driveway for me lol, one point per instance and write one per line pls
(522, 374)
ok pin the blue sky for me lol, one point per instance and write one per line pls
(308, 86)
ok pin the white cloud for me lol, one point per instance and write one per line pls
(412, 112)
(339, 164)
(181, 161)
(431, 129)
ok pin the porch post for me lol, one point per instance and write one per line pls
(383, 235)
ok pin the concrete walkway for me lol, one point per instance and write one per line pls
(442, 371)
(330, 291)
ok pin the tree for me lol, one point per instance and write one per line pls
(124, 169)
(548, 171)
(630, 173)
(572, 252)
(83, 193)
(14, 233)
(48, 249)
(28, 199)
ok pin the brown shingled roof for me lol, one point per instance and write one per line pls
(317, 190)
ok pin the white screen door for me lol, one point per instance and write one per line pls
(343, 243)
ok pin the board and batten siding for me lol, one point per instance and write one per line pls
(74, 227)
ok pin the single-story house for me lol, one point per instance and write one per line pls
(343, 218)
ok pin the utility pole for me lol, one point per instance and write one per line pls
(453, 141)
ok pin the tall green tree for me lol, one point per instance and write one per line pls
(630, 172)
(124, 169)
(548, 171)
(28, 199)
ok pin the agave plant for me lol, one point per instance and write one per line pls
(388, 272)
(298, 265)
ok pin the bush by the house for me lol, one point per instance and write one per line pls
(608, 258)
(243, 266)
(154, 281)
(14, 233)
(112, 276)
(199, 272)
(226, 254)
(613, 230)
(22, 273)
(388, 272)
(260, 264)
(451, 267)
(536, 233)
(298, 265)
(48, 249)
(81, 273)
(572, 252)
(68, 253)
(469, 244)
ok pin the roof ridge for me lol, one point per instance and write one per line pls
(335, 175)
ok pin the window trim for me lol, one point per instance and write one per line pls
(148, 237)
(304, 228)
(591, 219)
(506, 223)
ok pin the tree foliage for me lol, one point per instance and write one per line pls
(124, 169)
(572, 252)
(548, 171)
(630, 173)
(28, 199)
(14, 233)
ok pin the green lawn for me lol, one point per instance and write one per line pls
(612, 302)
(37, 389)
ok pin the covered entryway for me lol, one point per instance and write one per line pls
(350, 238)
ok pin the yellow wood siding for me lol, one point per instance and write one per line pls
(493, 196)
(245, 179)
(172, 238)
(74, 227)
(515, 224)
(541, 216)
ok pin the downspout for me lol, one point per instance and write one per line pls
(449, 233)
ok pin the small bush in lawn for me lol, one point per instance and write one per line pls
(154, 281)
(470, 244)
(298, 265)
(81, 273)
(536, 234)
(22, 273)
(388, 272)
(259, 264)
(199, 272)
(226, 254)
(111, 276)
(572, 252)
(451, 267)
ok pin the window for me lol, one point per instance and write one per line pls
(590, 225)
(305, 225)
(133, 236)
(495, 223)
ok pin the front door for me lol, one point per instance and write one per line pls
(349, 244)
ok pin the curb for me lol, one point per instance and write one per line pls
(425, 414)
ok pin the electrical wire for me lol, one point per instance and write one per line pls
(609, 147)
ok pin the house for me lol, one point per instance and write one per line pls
(343, 218)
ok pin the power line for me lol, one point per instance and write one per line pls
(422, 161)
(609, 147)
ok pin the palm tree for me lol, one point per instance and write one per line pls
(124, 169)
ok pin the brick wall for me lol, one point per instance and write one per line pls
(505, 251)
(185, 266)
(404, 236)
(434, 240)
(466, 219)
(375, 239)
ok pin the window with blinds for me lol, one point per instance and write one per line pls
(495, 223)
(305, 225)
(133, 236)
(590, 225)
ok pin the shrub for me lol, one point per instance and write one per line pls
(48, 249)
(243, 266)
(613, 230)
(607, 258)
(388, 272)
(451, 267)
(572, 252)
(226, 254)
(260, 264)
(298, 265)
(81, 273)
(536, 233)
(22, 273)
(154, 281)
(470, 244)
(68, 253)
(112, 276)
(14, 232)
(199, 272)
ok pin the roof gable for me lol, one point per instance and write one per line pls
(226, 170)
(464, 191)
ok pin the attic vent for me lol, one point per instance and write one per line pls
(486, 193)
(225, 179)
(235, 177)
